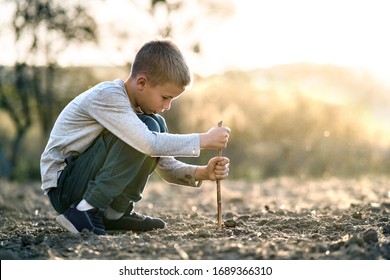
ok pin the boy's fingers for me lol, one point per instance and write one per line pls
(223, 174)
(222, 160)
(222, 169)
(227, 129)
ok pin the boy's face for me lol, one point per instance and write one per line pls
(157, 99)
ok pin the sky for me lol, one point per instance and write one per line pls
(267, 33)
(258, 34)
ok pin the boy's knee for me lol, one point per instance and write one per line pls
(161, 122)
(154, 122)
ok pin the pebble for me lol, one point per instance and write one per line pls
(386, 229)
(204, 233)
(370, 235)
(357, 215)
(230, 223)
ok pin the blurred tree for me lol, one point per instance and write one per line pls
(183, 16)
(42, 29)
(14, 99)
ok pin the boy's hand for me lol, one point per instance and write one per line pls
(215, 138)
(217, 168)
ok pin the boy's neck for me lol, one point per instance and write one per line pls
(130, 93)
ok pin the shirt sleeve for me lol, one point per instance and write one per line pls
(176, 172)
(113, 110)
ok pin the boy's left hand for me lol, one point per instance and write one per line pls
(218, 168)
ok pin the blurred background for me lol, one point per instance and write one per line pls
(304, 85)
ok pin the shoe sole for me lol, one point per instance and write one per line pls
(66, 224)
(144, 225)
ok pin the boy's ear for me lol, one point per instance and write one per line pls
(141, 81)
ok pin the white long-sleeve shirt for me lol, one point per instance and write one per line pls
(107, 106)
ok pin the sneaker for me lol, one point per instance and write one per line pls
(75, 221)
(134, 221)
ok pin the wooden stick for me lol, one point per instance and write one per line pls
(219, 197)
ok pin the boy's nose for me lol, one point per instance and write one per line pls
(167, 105)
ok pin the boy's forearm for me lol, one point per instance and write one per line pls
(201, 173)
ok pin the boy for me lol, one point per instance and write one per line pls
(108, 140)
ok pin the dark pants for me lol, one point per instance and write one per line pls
(109, 173)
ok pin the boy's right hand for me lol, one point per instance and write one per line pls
(215, 138)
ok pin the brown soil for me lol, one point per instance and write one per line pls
(275, 219)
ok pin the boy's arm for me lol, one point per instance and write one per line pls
(180, 173)
(114, 112)
(176, 172)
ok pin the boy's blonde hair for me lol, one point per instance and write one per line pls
(162, 62)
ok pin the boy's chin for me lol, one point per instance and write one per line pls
(149, 112)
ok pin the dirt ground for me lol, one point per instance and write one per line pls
(275, 219)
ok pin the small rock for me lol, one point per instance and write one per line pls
(204, 233)
(268, 209)
(386, 229)
(230, 223)
(27, 240)
(357, 215)
(194, 215)
(370, 235)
